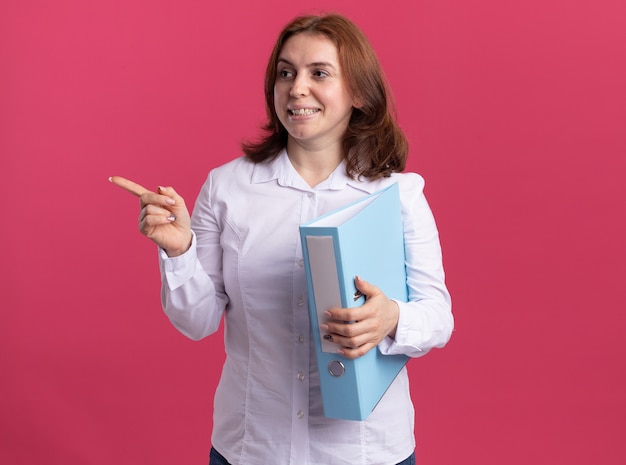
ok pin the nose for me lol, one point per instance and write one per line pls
(299, 87)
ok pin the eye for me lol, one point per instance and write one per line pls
(318, 73)
(285, 74)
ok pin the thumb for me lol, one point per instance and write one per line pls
(170, 192)
(365, 288)
(176, 204)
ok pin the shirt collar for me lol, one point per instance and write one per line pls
(281, 170)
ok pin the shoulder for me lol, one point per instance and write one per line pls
(225, 180)
(411, 185)
(239, 166)
(412, 198)
(407, 183)
(236, 172)
(408, 179)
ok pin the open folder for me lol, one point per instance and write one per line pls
(363, 238)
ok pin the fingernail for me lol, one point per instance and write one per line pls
(324, 327)
(171, 218)
(328, 337)
(170, 201)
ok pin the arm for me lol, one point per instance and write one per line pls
(410, 328)
(188, 293)
(192, 291)
(426, 320)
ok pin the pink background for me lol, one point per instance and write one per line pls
(516, 115)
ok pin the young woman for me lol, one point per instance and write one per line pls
(330, 139)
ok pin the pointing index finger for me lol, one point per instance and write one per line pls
(128, 185)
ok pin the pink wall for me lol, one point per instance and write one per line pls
(516, 116)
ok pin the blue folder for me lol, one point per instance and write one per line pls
(363, 238)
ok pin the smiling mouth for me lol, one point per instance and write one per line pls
(303, 111)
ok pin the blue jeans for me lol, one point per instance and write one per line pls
(216, 459)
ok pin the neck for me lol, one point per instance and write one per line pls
(314, 165)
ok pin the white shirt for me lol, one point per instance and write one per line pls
(246, 262)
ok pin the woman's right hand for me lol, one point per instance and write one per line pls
(164, 218)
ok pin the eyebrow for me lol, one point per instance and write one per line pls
(317, 64)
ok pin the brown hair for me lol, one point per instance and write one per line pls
(374, 145)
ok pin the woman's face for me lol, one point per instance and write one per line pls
(310, 96)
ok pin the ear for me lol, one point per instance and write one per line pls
(357, 103)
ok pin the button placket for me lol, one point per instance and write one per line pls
(301, 327)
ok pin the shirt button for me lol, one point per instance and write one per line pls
(300, 414)
(300, 301)
(301, 376)
(300, 263)
(301, 338)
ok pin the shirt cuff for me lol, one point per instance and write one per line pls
(175, 271)
(401, 344)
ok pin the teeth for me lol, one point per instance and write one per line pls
(303, 111)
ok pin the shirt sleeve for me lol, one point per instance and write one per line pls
(426, 320)
(192, 289)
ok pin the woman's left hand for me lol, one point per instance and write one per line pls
(357, 330)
